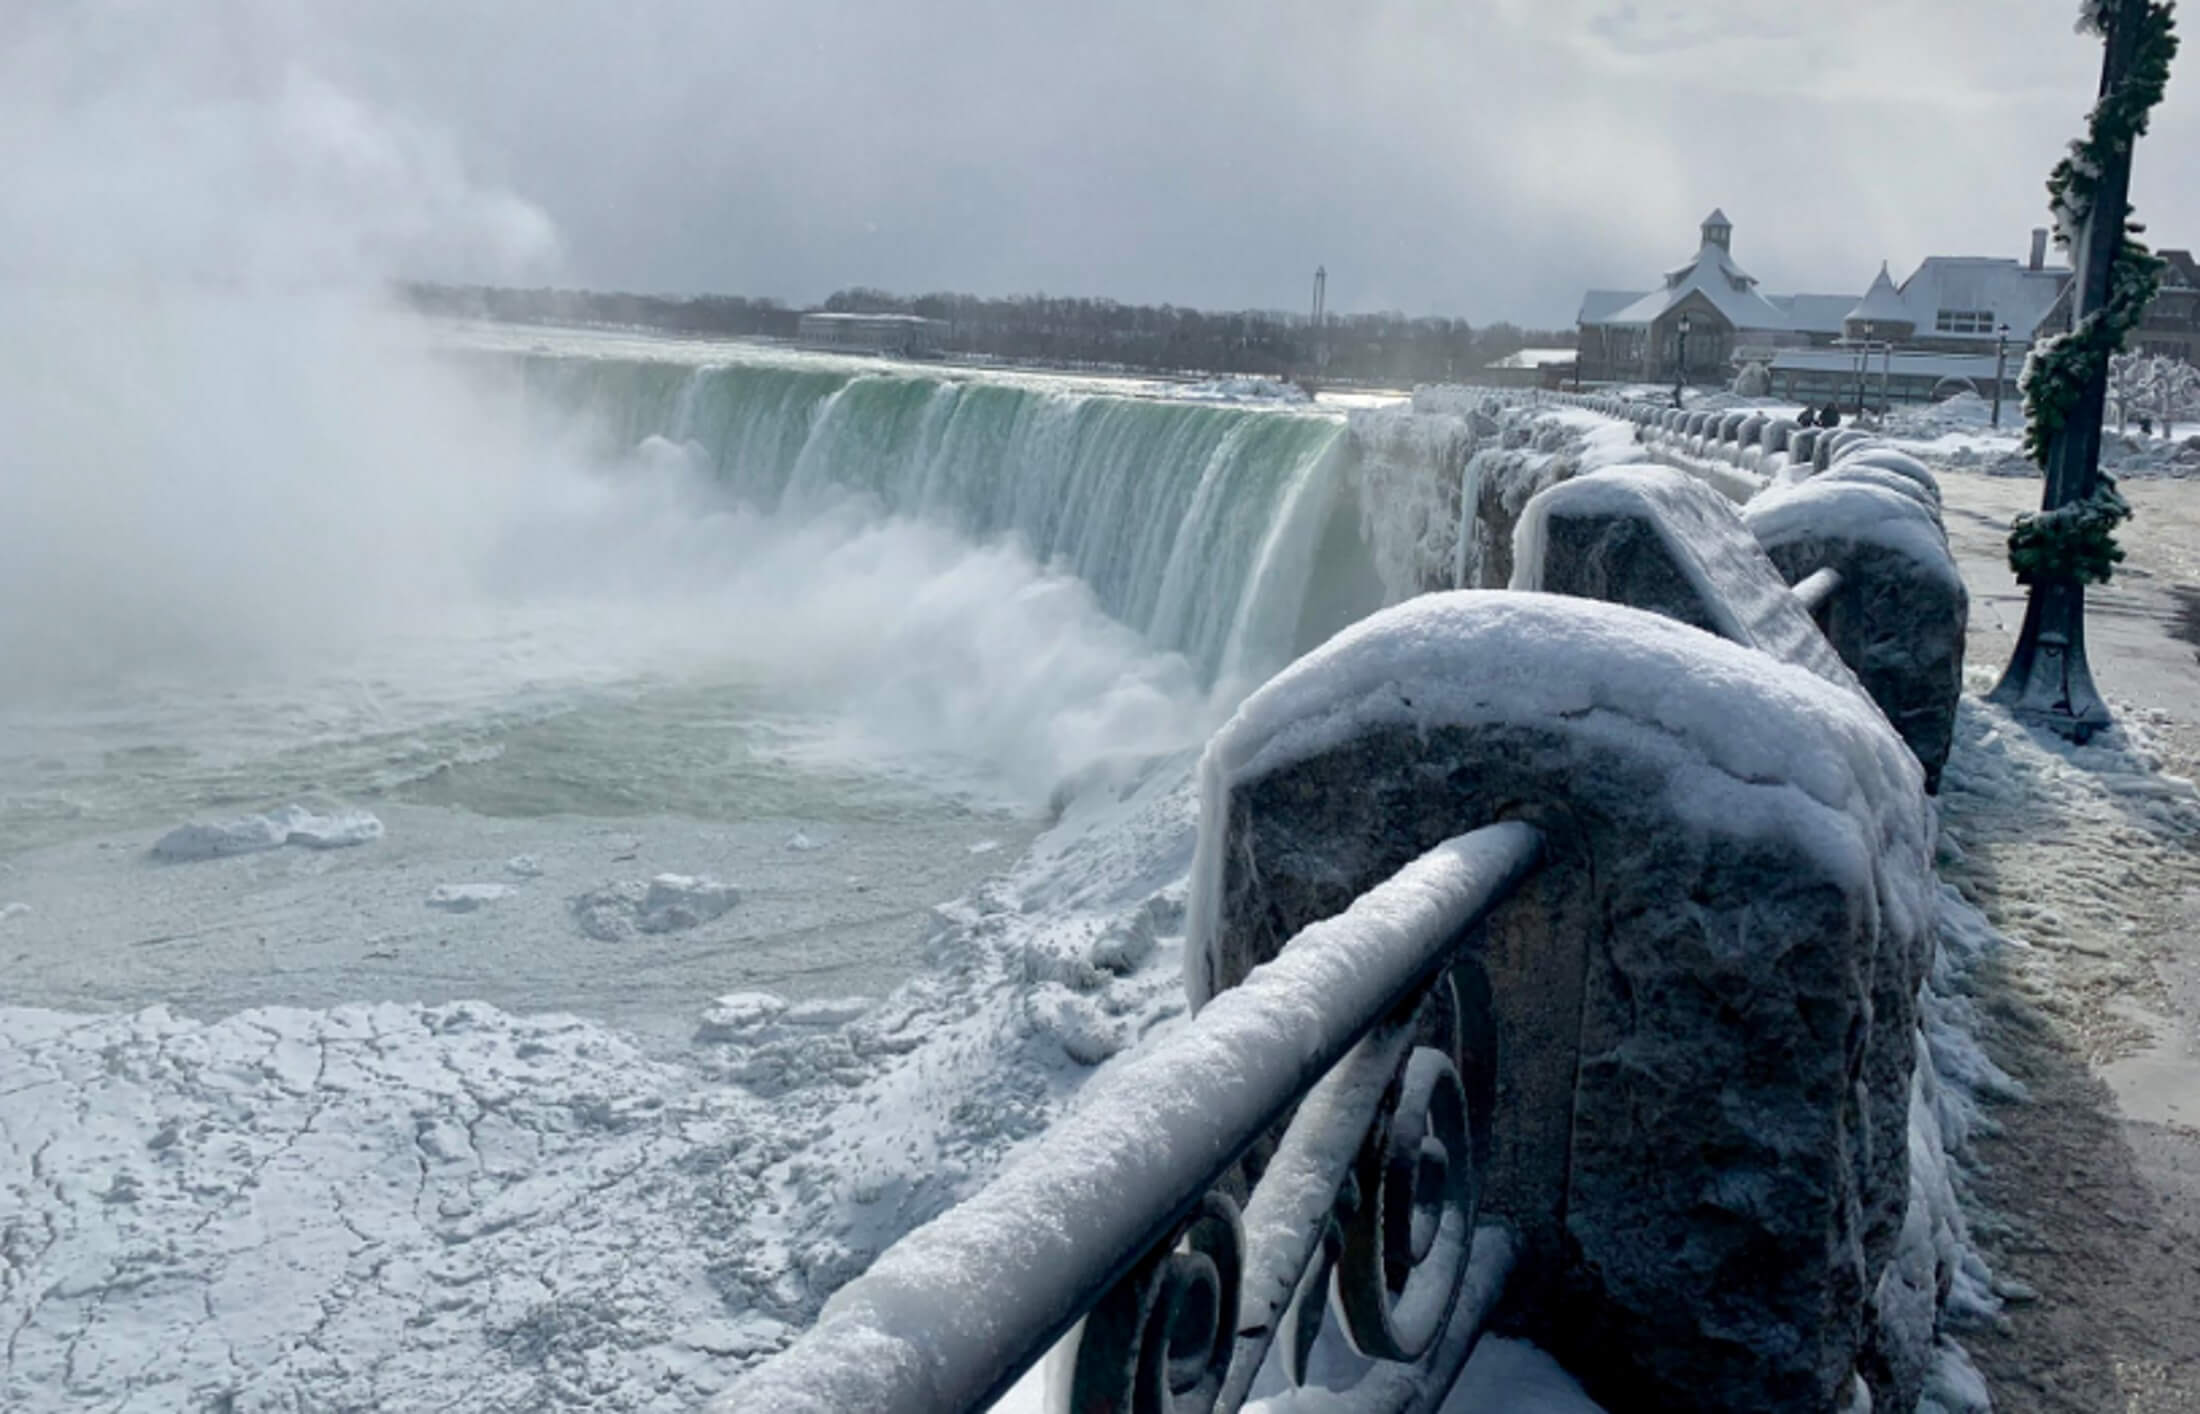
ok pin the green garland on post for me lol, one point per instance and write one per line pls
(2078, 539)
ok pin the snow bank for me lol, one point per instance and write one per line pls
(250, 834)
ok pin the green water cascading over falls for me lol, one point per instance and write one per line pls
(1203, 526)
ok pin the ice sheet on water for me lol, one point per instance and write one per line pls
(386, 1203)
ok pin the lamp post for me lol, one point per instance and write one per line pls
(2048, 681)
(2001, 363)
(1864, 363)
(1680, 371)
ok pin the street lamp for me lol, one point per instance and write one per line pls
(1680, 373)
(1864, 364)
(2001, 362)
(2049, 682)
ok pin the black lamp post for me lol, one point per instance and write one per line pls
(2001, 363)
(1680, 372)
(1864, 365)
(2048, 682)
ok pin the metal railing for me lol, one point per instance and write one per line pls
(1813, 590)
(1165, 1214)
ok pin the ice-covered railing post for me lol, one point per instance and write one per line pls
(2071, 541)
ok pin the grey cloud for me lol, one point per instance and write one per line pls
(1488, 158)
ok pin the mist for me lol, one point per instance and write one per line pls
(220, 446)
(231, 463)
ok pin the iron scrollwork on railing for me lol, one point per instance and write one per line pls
(1317, 1160)
(1390, 1254)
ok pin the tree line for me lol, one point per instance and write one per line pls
(1386, 348)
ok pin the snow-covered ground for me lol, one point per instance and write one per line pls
(2089, 859)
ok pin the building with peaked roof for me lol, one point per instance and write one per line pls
(1881, 314)
(1936, 332)
(1636, 334)
(1958, 323)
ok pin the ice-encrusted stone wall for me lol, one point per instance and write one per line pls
(1705, 1008)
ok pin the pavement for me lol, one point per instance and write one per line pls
(2092, 1186)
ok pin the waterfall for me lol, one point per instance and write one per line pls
(1203, 526)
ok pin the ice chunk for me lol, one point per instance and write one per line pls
(251, 834)
(827, 1011)
(1086, 1034)
(677, 901)
(218, 839)
(338, 831)
(526, 866)
(465, 898)
(669, 903)
(753, 1334)
(739, 1016)
(11, 911)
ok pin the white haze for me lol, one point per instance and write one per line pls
(227, 464)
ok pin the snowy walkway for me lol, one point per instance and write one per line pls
(2093, 860)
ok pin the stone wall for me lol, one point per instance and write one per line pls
(1706, 1014)
(1900, 616)
(1705, 1007)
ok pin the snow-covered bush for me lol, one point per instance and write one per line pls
(1754, 381)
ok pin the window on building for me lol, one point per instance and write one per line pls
(1965, 321)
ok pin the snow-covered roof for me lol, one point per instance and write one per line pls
(1882, 303)
(1720, 258)
(2006, 289)
(1814, 314)
(1717, 218)
(1536, 358)
(1714, 275)
(1906, 365)
(1598, 306)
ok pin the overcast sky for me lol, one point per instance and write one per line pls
(1487, 158)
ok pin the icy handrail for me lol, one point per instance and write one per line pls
(1121, 1217)
(1815, 589)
